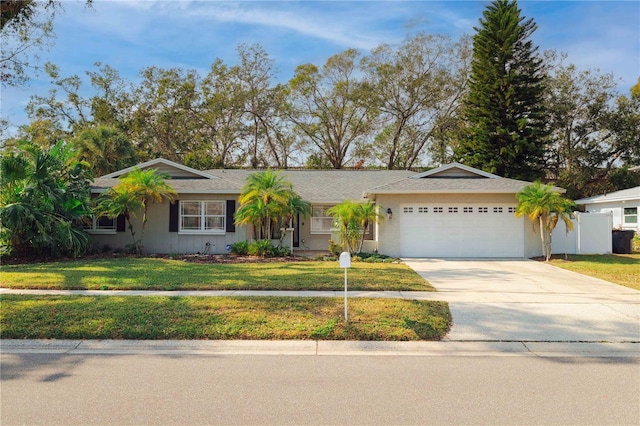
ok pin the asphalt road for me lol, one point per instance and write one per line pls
(140, 389)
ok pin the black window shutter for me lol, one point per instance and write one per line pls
(231, 209)
(174, 216)
(121, 226)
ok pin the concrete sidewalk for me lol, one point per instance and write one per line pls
(459, 296)
(320, 348)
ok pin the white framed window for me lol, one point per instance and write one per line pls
(511, 210)
(497, 209)
(321, 221)
(630, 215)
(483, 209)
(407, 210)
(452, 210)
(423, 209)
(467, 210)
(101, 225)
(438, 210)
(202, 217)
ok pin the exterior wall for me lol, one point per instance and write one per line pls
(616, 210)
(313, 242)
(158, 239)
(388, 241)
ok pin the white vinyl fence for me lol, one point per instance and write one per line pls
(591, 234)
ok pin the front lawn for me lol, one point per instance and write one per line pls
(167, 274)
(623, 269)
(268, 318)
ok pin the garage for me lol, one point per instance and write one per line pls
(460, 230)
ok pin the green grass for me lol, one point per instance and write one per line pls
(272, 318)
(165, 274)
(623, 269)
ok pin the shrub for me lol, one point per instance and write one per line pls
(281, 251)
(334, 248)
(241, 248)
(262, 248)
(376, 258)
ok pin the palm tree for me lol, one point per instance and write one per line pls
(353, 219)
(44, 198)
(268, 198)
(117, 201)
(295, 206)
(136, 190)
(368, 214)
(106, 149)
(545, 206)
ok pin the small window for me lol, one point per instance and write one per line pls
(631, 215)
(202, 216)
(511, 210)
(483, 209)
(453, 210)
(102, 224)
(423, 209)
(321, 221)
(407, 210)
(497, 209)
(438, 210)
(467, 210)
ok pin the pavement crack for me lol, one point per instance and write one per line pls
(76, 346)
(528, 348)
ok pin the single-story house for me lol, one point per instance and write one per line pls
(450, 211)
(622, 205)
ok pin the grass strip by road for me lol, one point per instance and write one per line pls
(167, 274)
(623, 269)
(261, 318)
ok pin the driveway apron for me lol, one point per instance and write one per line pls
(525, 300)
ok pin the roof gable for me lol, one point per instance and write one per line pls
(174, 170)
(453, 178)
(455, 170)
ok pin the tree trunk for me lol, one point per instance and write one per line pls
(542, 237)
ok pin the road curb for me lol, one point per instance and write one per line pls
(322, 348)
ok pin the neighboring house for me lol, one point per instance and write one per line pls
(622, 205)
(451, 211)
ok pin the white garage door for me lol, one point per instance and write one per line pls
(460, 230)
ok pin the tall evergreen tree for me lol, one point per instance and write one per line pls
(506, 131)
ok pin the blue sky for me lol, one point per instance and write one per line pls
(130, 36)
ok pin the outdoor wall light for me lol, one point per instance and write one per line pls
(389, 213)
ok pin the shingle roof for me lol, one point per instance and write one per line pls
(623, 195)
(327, 186)
(183, 186)
(334, 186)
(451, 184)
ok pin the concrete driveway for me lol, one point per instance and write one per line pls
(525, 300)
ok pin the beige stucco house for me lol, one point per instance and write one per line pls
(451, 211)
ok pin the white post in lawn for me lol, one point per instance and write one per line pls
(345, 262)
